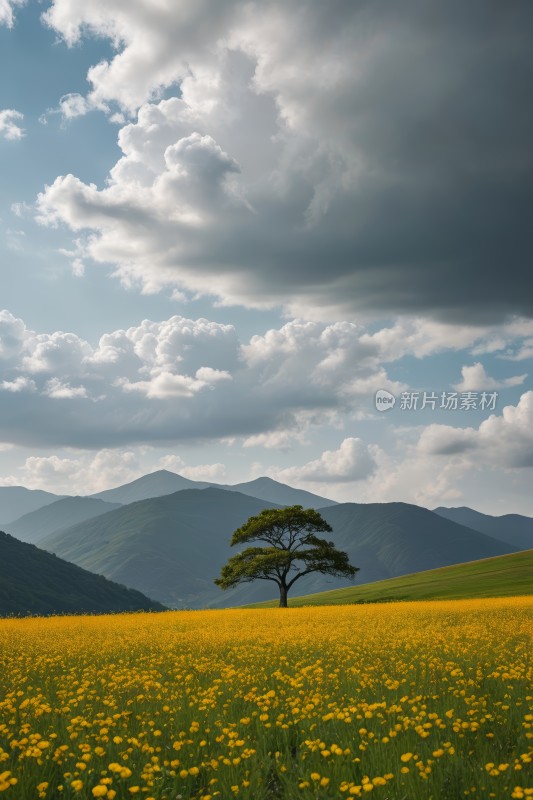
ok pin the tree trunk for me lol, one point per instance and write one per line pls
(283, 597)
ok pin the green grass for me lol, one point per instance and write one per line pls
(502, 576)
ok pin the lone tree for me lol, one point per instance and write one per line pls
(293, 550)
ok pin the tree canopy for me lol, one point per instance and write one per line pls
(292, 550)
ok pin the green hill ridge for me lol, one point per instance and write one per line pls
(38, 583)
(502, 576)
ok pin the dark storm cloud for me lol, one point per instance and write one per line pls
(400, 181)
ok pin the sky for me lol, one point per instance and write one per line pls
(268, 238)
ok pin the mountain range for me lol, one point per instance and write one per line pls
(17, 500)
(163, 482)
(173, 547)
(36, 525)
(168, 536)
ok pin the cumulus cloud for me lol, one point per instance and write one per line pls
(189, 380)
(304, 353)
(476, 379)
(352, 461)
(85, 474)
(20, 384)
(362, 172)
(165, 384)
(182, 379)
(503, 440)
(63, 391)
(10, 120)
(71, 106)
(89, 473)
(56, 352)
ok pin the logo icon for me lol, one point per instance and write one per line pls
(384, 400)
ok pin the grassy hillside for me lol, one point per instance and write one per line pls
(503, 576)
(35, 582)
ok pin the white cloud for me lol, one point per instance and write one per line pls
(20, 209)
(56, 352)
(205, 472)
(20, 384)
(10, 119)
(183, 379)
(193, 380)
(352, 461)
(476, 379)
(155, 44)
(501, 441)
(404, 474)
(303, 353)
(166, 385)
(86, 474)
(447, 440)
(525, 351)
(63, 391)
(6, 11)
(73, 105)
(78, 268)
(276, 440)
(12, 337)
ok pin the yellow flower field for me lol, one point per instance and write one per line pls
(398, 701)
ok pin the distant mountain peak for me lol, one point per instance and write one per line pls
(162, 482)
(514, 529)
(265, 479)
